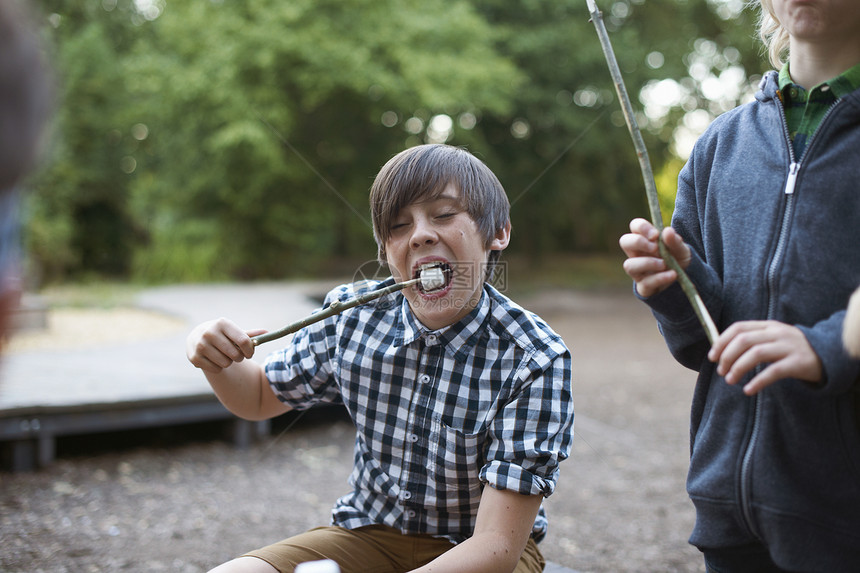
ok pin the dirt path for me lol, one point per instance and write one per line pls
(620, 505)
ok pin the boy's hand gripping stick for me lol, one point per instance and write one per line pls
(430, 279)
(645, 165)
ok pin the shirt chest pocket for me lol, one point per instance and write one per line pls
(456, 458)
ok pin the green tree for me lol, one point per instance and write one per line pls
(79, 217)
(568, 161)
(215, 140)
(265, 123)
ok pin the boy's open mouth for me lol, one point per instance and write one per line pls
(435, 276)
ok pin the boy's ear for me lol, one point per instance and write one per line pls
(502, 238)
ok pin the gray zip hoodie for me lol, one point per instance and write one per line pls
(773, 237)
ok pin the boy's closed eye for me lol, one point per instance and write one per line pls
(400, 224)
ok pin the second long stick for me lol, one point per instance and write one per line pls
(648, 175)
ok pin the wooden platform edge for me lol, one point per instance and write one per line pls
(28, 434)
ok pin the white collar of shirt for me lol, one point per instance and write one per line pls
(458, 339)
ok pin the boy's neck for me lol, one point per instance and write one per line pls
(812, 64)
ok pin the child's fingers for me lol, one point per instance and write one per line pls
(640, 226)
(732, 343)
(650, 275)
(720, 343)
(244, 343)
(677, 247)
(656, 283)
(640, 268)
(233, 341)
(221, 351)
(781, 347)
(745, 353)
(782, 362)
(641, 240)
(215, 345)
(228, 339)
(766, 377)
(635, 245)
(644, 263)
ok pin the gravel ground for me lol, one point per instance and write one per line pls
(184, 500)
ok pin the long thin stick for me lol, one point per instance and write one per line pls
(334, 308)
(648, 175)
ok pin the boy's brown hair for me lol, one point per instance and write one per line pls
(422, 173)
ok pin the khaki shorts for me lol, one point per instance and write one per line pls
(371, 549)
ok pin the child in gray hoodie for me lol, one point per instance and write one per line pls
(765, 224)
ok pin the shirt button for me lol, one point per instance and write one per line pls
(424, 379)
(413, 438)
(411, 513)
(405, 495)
(431, 339)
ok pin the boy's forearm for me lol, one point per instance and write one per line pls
(502, 531)
(486, 553)
(244, 390)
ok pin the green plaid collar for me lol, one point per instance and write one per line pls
(840, 86)
(804, 109)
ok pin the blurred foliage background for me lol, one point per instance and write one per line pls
(224, 139)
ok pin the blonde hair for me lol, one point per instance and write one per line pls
(772, 34)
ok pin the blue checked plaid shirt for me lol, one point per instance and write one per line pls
(438, 414)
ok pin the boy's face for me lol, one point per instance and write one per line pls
(440, 231)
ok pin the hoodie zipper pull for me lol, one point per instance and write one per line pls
(792, 178)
